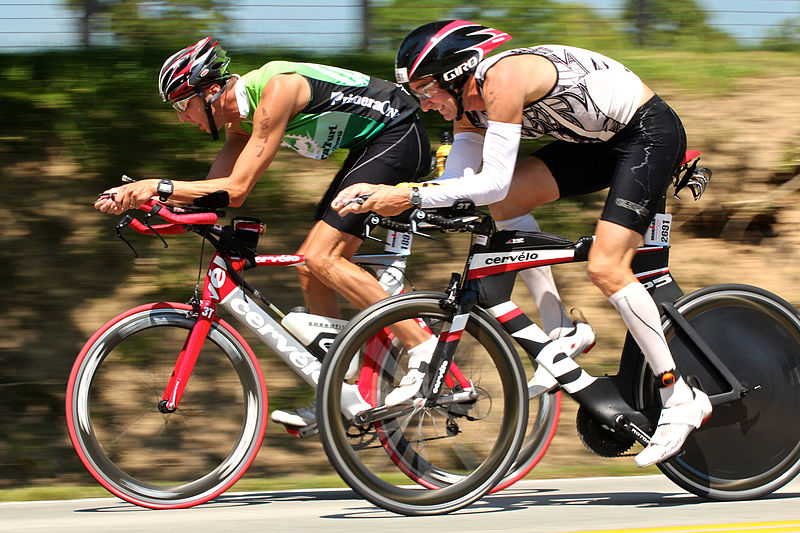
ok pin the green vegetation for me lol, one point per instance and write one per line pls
(299, 482)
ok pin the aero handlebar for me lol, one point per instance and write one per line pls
(177, 218)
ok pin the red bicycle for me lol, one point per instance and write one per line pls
(167, 404)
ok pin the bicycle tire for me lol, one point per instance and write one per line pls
(543, 417)
(157, 460)
(480, 438)
(749, 447)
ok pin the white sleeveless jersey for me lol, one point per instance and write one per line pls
(593, 98)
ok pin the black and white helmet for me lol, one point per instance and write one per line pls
(448, 50)
(192, 69)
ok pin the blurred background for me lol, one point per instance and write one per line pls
(80, 107)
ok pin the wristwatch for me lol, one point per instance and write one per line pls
(164, 189)
(415, 198)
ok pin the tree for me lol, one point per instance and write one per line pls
(786, 36)
(663, 22)
(135, 22)
(391, 20)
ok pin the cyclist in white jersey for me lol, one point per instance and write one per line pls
(611, 131)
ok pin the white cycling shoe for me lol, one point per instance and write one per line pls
(412, 381)
(675, 424)
(580, 340)
(297, 418)
(352, 404)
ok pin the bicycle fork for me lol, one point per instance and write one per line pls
(187, 358)
(447, 372)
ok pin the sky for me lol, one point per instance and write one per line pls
(42, 23)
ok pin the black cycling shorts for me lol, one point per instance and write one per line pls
(401, 153)
(637, 164)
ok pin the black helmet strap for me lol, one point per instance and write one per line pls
(456, 90)
(456, 94)
(211, 123)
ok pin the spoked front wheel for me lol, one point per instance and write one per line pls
(750, 446)
(152, 458)
(457, 450)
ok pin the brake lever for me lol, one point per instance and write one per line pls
(154, 211)
(372, 222)
(124, 222)
(418, 215)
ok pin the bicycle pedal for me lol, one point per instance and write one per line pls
(308, 431)
(301, 432)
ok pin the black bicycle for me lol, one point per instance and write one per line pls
(741, 344)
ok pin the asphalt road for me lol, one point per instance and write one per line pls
(640, 504)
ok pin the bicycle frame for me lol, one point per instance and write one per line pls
(488, 280)
(223, 288)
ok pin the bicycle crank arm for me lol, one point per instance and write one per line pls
(632, 429)
(459, 397)
(383, 412)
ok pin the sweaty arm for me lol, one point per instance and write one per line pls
(282, 98)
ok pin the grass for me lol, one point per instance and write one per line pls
(248, 484)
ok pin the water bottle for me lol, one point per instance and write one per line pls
(315, 332)
(442, 152)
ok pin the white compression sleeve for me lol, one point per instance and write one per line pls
(465, 153)
(640, 314)
(541, 284)
(491, 185)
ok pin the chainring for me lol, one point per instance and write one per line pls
(598, 438)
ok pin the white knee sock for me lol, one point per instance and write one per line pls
(541, 284)
(641, 316)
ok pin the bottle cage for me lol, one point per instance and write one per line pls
(691, 176)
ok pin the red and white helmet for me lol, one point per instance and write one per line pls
(193, 68)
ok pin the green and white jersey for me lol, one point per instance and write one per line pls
(346, 110)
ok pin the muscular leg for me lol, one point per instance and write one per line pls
(609, 268)
(319, 297)
(396, 155)
(329, 270)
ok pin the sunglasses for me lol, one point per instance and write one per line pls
(422, 93)
(180, 105)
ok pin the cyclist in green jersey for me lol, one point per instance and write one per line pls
(314, 110)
